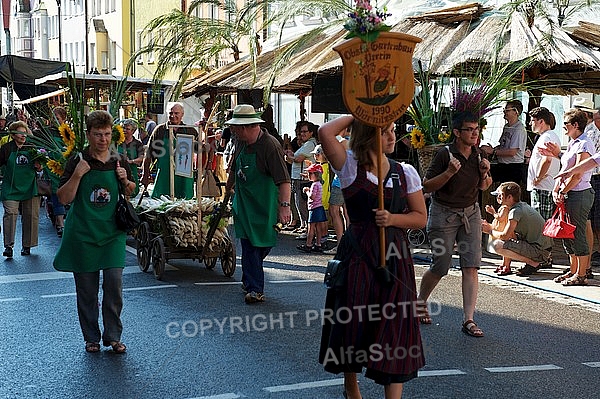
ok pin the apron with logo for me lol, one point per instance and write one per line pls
(91, 240)
(19, 182)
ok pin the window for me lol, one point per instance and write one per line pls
(138, 45)
(113, 5)
(92, 56)
(106, 6)
(76, 54)
(104, 65)
(150, 43)
(98, 7)
(113, 55)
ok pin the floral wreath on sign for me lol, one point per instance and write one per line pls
(366, 21)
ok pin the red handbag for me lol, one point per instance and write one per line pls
(559, 225)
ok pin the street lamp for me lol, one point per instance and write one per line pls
(561, 6)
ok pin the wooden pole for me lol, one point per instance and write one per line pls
(381, 205)
(171, 165)
(199, 182)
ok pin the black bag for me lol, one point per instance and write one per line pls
(127, 218)
(335, 274)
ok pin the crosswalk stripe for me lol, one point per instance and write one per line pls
(541, 367)
(11, 299)
(438, 373)
(304, 385)
(592, 364)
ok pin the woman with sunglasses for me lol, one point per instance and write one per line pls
(576, 193)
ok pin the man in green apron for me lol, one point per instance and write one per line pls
(134, 150)
(158, 150)
(262, 195)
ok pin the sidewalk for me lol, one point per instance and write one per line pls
(542, 280)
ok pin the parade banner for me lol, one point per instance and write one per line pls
(378, 83)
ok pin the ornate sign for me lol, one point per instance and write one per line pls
(378, 83)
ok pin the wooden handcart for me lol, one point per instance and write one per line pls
(156, 244)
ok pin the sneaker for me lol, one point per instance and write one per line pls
(317, 249)
(8, 252)
(254, 297)
(59, 231)
(26, 251)
(331, 251)
(589, 274)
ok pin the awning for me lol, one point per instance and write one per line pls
(42, 97)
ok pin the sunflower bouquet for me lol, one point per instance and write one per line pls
(69, 139)
(430, 117)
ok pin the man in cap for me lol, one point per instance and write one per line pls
(526, 224)
(158, 150)
(262, 195)
(586, 105)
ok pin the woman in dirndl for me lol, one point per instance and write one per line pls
(385, 339)
(91, 240)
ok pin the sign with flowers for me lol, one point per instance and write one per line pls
(377, 82)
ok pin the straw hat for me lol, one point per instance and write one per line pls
(244, 114)
(584, 104)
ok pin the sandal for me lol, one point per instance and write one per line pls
(575, 280)
(92, 347)
(423, 313)
(563, 277)
(304, 248)
(527, 270)
(505, 272)
(117, 346)
(469, 327)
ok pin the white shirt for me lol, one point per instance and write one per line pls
(348, 173)
(535, 163)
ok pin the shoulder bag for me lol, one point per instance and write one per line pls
(126, 217)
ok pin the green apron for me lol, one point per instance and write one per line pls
(19, 182)
(254, 203)
(91, 240)
(132, 154)
(184, 186)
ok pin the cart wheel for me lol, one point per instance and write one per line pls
(143, 257)
(143, 234)
(158, 257)
(228, 260)
(416, 237)
(210, 263)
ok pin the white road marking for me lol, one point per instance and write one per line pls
(11, 299)
(592, 364)
(292, 281)
(438, 373)
(58, 295)
(152, 287)
(541, 367)
(220, 283)
(304, 385)
(20, 278)
(222, 396)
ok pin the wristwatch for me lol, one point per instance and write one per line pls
(284, 204)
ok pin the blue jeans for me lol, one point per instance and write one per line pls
(253, 275)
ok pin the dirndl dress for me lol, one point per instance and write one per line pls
(373, 324)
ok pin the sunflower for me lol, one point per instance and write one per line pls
(417, 138)
(67, 135)
(55, 167)
(118, 136)
(69, 150)
(443, 137)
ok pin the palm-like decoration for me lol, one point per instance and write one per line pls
(192, 42)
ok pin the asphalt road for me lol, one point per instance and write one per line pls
(192, 336)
